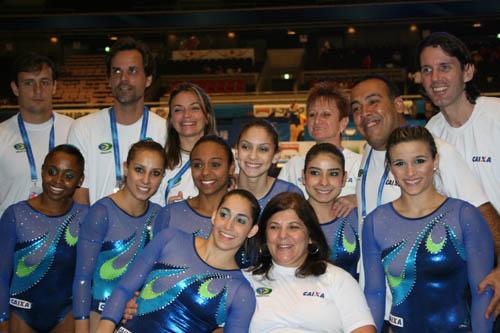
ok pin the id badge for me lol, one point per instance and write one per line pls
(34, 191)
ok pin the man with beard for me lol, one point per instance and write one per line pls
(377, 108)
(29, 135)
(104, 137)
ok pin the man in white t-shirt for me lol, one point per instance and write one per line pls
(327, 117)
(468, 122)
(21, 155)
(104, 137)
(377, 110)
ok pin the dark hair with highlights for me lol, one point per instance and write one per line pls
(267, 126)
(316, 262)
(148, 145)
(408, 134)
(254, 204)
(173, 145)
(453, 47)
(325, 148)
(129, 44)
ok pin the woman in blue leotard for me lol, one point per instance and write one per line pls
(116, 229)
(428, 247)
(191, 284)
(324, 177)
(37, 242)
(257, 149)
(212, 166)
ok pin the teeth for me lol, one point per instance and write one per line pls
(439, 89)
(284, 246)
(227, 235)
(56, 189)
(208, 182)
(144, 189)
(323, 191)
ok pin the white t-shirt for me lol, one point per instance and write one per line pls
(478, 141)
(331, 302)
(292, 172)
(15, 174)
(185, 184)
(92, 135)
(454, 179)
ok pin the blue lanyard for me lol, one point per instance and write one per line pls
(27, 144)
(116, 144)
(363, 185)
(172, 181)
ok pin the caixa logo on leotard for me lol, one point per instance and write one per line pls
(19, 147)
(105, 147)
(314, 294)
(123, 330)
(262, 292)
(396, 321)
(19, 303)
(481, 159)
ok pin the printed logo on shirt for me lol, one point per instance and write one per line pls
(101, 305)
(350, 180)
(391, 182)
(314, 294)
(123, 330)
(19, 147)
(360, 173)
(481, 159)
(263, 292)
(396, 321)
(105, 147)
(19, 303)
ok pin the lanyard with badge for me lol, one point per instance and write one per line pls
(363, 185)
(172, 181)
(34, 189)
(116, 144)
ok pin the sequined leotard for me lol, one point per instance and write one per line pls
(429, 263)
(181, 216)
(110, 240)
(39, 253)
(279, 186)
(342, 237)
(180, 292)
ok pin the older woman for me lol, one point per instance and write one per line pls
(296, 288)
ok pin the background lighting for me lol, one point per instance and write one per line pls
(54, 39)
(351, 30)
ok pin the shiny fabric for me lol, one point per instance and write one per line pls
(343, 240)
(180, 292)
(429, 263)
(43, 264)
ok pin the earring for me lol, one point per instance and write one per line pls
(312, 249)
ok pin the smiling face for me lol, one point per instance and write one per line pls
(232, 223)
(144, 174)
(187, 115)
(287, 238)
(127, 80)
(256, 152)
(34, 91)
(374, 112)
(323, 121)
(443, 77)
(210, 168)
(61, 175)
(413, 166)
(324, 178)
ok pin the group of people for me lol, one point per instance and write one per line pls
(400, 238)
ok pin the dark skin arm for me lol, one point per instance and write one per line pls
(492, 280)
(82, 196)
